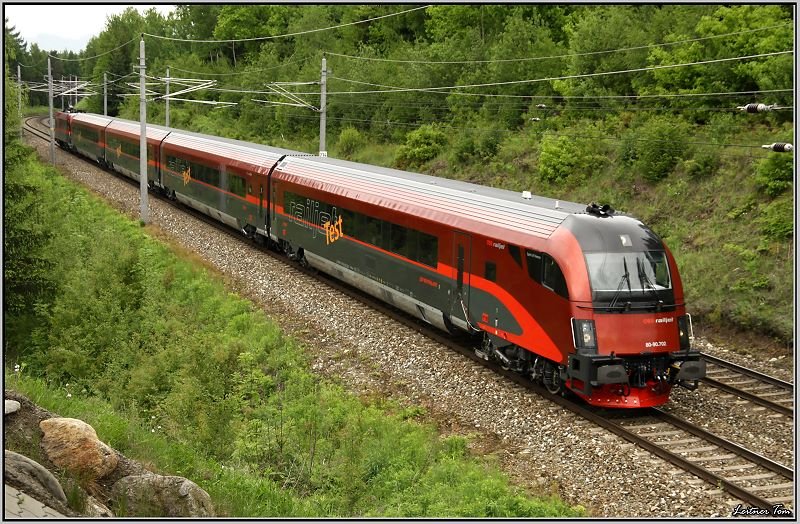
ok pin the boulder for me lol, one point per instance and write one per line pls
(152, 495)
(96, 509)
(11, 406)
(73, 445)
(32, 478)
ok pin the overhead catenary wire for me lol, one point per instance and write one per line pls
(244, 71)
(570, 135)
(549, 79)
(569, 55)
(273, 37)
(92, 57)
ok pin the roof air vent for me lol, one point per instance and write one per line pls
(602, 211)
(527, 195)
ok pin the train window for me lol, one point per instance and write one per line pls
(236, 185)
(515, 254)
(205, 174)
(398, 240)
(552, 277)
(428, 249)
(129, 148)
(534, 265)
(373, 232)
(491, 271)
(177, 165)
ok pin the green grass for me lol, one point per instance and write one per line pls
(175, 371)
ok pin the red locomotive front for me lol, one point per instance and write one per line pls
(629, 323)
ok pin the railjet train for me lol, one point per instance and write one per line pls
(578, 297)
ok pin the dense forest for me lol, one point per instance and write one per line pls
(636, 106)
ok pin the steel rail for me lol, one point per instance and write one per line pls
(751, 397)
(748, 372)
(598, 417)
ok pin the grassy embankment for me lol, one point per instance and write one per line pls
(174, 371)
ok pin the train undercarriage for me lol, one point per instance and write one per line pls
(637, 381)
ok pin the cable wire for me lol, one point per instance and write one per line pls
(242, 72)
(590, 53)
(288, 34)
(550, 79)
(92, 57)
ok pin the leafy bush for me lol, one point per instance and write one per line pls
(776, 220)
(701, 165)
(350, 141)
(421, 145)
(660, 144)
(563, 157)
(774, 174)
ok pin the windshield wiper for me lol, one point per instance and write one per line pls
(647, 284)
(625, 278)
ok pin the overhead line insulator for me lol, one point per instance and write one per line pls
(756, 108)
(779, 147)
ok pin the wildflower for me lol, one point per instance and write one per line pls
(16, 368)
(152, 431)
(69, 395)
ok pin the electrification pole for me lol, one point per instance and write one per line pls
(143, 137)
(19, 99)
(52, 127)
(105, 94)
(19, 95)
(167, 99)
(322, 108)
(62, 96)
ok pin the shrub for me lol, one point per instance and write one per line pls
(774, 174)
(661, 143)
(562, 157)
(701, 166)
(421, 145)
(776, 220)
(350, 141)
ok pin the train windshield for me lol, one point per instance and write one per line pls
(629, 277)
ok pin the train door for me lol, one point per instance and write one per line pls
(462, 261)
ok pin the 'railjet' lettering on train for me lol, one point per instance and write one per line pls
(309, 215)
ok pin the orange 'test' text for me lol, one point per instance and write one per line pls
(333, 232)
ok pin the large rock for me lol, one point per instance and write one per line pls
(152, 495)
(11, 406)
(72, 444)
(32, 478)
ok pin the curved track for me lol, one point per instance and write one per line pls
(745, 475)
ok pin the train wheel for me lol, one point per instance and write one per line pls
(551, 378)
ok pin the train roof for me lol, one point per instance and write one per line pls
(498, 213)
(91, 119)
(133, 128)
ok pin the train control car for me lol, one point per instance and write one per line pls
(573, 295)
(578, 297)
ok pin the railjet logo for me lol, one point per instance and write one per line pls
(308, 215)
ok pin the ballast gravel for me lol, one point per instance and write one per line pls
(542, 447)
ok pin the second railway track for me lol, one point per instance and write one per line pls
(746, 476)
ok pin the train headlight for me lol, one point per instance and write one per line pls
(683, 331)
(584, 334)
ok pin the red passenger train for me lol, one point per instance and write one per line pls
(578, 297)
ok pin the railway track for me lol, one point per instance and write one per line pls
(747, 476)
(750, 385)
